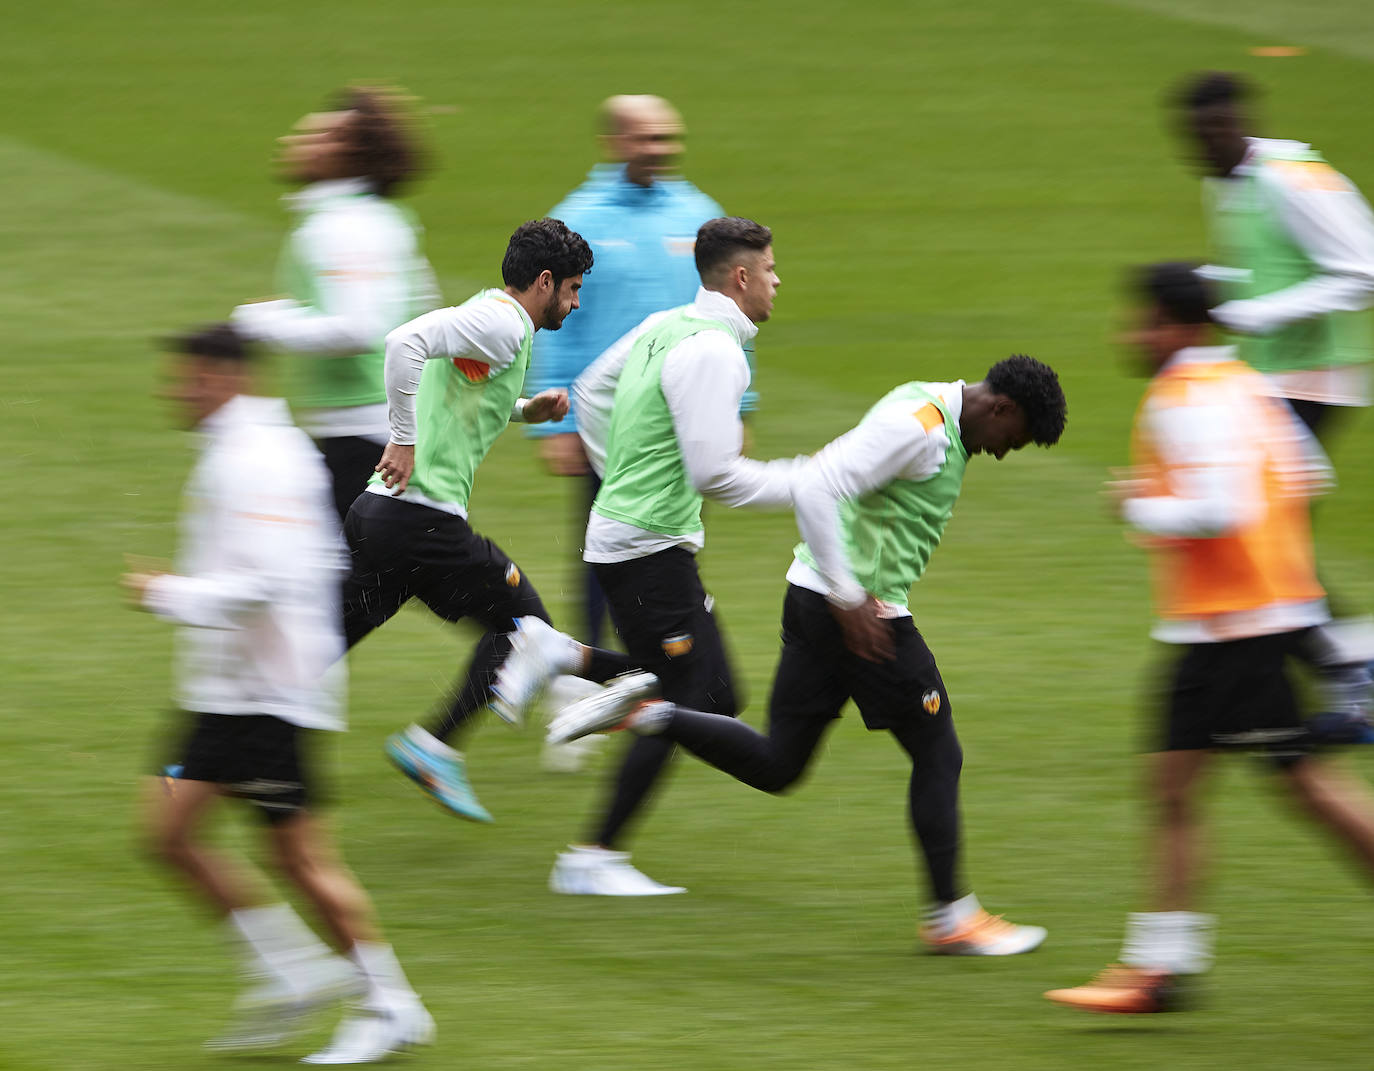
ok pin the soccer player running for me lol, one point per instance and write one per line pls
(666, 398)
(1294, 242)
(259, 676)
(871, 507)
(453, 382)
(1223, 474)
(353, 268)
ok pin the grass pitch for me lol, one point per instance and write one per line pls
(948, 183)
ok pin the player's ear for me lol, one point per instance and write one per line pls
(545, 280)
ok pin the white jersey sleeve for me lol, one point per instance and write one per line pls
(891, 445)
(1211, 450)
(703, 380)
(488, 332)
(1326, 216)
(367, 274)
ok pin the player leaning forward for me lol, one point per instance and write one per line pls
(871, 507)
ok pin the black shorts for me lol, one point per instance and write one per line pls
(817, 673)
(253, 757)
(402, 550)
(1236, 695)
(668, 625)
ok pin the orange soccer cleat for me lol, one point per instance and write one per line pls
(1123, 990)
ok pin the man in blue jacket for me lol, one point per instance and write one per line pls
(641, 220)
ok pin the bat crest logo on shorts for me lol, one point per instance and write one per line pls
(512, 575)
(677, 646)
(931, 701)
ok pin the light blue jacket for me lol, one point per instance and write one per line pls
(642, 238)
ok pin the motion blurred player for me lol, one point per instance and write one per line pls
(1292, 243)
(1223, 474)
(353, 268)
(260, 675)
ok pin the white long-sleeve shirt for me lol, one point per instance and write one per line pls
(889, 445)
(1333, 225)
(703, 380)
(368, 275)
(1211, 450)
(258, 571)
(1218, 449)
(488, 331)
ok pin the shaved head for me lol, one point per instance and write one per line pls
(644, 133)
(627, 109)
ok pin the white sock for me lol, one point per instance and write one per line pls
(948, 917)
(650, 719)
(1179, 942)
(591, 853)
(278, 943)
(386, 982)
(574, 657)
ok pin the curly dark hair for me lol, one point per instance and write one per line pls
(1034, 386)
(382, 146)
(718, 240)
(1206, 88)
(544, 244)
(1183, 295)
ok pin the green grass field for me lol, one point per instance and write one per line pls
(948, 182)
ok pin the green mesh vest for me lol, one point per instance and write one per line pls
(1247, 234)
(458, 418)
(338, 382)
(646, 482)
(890, 533)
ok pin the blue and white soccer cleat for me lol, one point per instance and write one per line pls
(438, 770)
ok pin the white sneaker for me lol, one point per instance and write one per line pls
(601, 872)
(369, 1034)
(272, 1013)
(603, 710)
(538, 653)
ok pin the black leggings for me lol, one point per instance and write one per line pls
(666, 621)
(815, 677)
(402, 550)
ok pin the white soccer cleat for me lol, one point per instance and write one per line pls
(602, 710)
(273, 1013)
(982, 934)
(370, 1034)
(576, 755)
(582, 871)
(538, 653)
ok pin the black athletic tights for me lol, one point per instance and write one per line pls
(775, 762)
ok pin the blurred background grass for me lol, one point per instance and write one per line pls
(949, 182)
